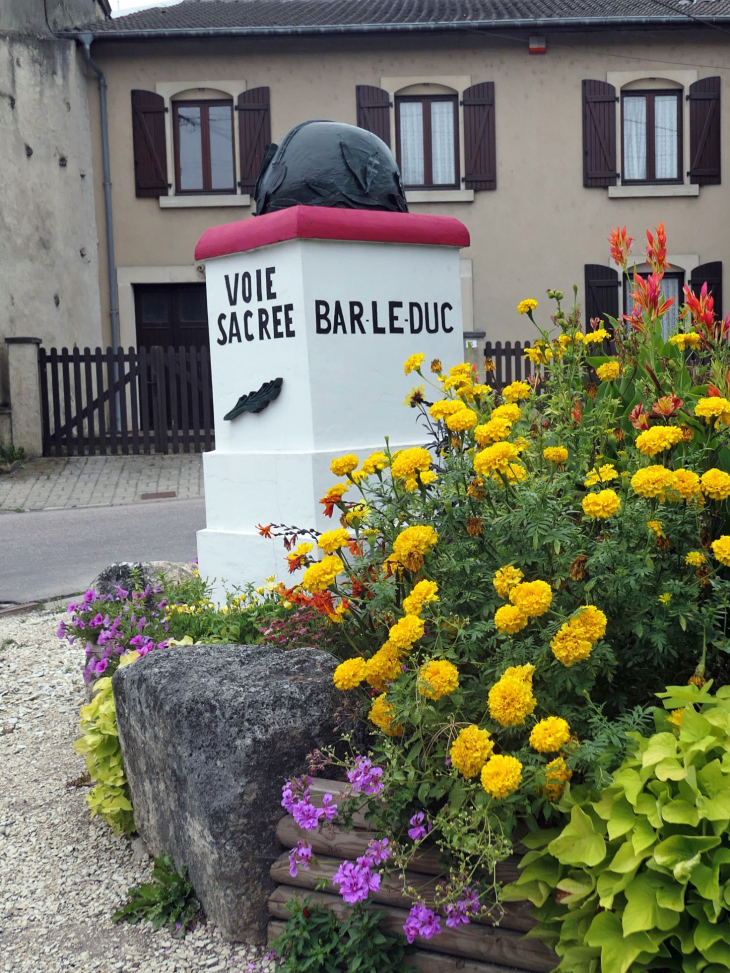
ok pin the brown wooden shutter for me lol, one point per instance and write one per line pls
(602, 285)
(599, 134)
(712, 274)
(254, 127)
(149, 143)
(480, 162)
(704, 132)
(373, 111)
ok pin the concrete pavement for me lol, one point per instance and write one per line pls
(51, 553)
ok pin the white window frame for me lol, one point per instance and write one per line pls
(169, 90)
(458, 83)
(620, 79)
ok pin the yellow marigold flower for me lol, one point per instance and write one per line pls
(349, 674)
(382, 714)
(510, 619)
(676, 717)
(687, 484)
(514, 473)
(411, 484)
(479, 389)
(498, 456)
(301, 549)
(656, 526)
(533, 598)
(337, 490)
(539, 354)
(715, 484)
(570, 645)
(492, 431)
(695, 559)
(344, 465)
(658, 439)
(555, 454)
(516, 391)
(652, 481)
(688, 340)
(593, 337)
(529, 304)
(549, 735)
(445, 407)
(510, 700)
(423, 593)
(609, 371)
(721, 549)
(407, 462)
(333, 540)
(405, 632)
(359, 512)
(602, 474)
(501, 775)
(383, 667)
(462, 420)
(436, 366)
(590, 622)
(471, 750)
(321, 574)
(428, 476)
(510, 412)
(505, 580)
(557, 776)
(413, 544)
(601, 505)
(714, 407)
(412, 364)
(665, 598)
(437, 678)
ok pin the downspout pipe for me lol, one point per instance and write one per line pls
(85, 40)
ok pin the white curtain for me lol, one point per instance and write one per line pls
(411, 143)
(634, 137)
(190, 147)
(221, 147)
(670, 321)
(442, 143)
(665, 136)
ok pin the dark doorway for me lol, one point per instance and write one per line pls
(171, 315)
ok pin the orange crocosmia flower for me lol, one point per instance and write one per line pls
(265, 531)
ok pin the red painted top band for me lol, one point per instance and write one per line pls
(327, 223)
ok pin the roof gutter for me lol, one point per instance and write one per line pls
(678, 20)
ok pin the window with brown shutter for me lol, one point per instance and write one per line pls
(704, 132)
(254, 126)
(373, 111)
(602, 293)
(149, 143)
(204, 156)
(599, 134)
(480, 163)
(651, 136)
(711, 274)
(427, 141)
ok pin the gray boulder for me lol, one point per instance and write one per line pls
(209, 734)
(122, 573)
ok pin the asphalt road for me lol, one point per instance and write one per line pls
(52, 553)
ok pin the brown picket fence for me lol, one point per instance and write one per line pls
(125, 402)
(505, 363)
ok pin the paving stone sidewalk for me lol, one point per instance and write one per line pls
(100, 481)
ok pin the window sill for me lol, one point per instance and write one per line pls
(627, 192)
(439, 195)
(204, 202)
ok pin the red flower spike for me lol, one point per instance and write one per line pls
(656, 251)
(620, 246)
(714, 392)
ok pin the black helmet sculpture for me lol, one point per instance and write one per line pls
(321, 163)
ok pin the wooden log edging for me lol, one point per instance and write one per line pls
(479, 947)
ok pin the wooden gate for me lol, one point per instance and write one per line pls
(96, 403)
(506, 363)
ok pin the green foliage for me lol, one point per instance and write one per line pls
(168, 900)
(100, 744)
(316, 941)
(639, 878)
(10, 453)
(191, 613)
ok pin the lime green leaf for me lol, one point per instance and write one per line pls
(578, 843)
(643, 911)
(671, 896)
(617, 952)
(706, 880)
(625, 859)
(661, 746)
(643, 835)
(681, 812)
(622, 819)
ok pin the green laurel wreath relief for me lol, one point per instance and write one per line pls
(640, 876)
(100, 744)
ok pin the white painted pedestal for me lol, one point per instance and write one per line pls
(332, 301)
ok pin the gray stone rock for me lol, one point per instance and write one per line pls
(209, 733)
(122, 573)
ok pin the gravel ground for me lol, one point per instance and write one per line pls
(62, 875)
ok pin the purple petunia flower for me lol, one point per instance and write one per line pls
(101, 666)
(89, 596)
(421, 922)
(61, 630)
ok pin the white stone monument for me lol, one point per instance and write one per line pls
(331, 302)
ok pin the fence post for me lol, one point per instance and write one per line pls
(25, 399)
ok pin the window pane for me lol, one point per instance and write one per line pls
(635, 138)
(190, 147)
(411, 142)
(154, 307)
(665, 137)
(442, 143)
(193, 307)
(670, 288)
(221, 146)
